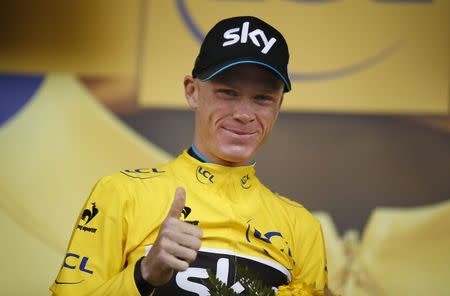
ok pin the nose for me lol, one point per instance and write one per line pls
(244, 111)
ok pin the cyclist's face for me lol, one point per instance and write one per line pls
(235, 112)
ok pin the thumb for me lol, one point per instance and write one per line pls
(179, 201)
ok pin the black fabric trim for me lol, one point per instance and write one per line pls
(193, 154)
(144, 287)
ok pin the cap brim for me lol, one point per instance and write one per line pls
(210, 73)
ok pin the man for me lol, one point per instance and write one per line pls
(158, 231)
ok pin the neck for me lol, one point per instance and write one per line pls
(202, 155)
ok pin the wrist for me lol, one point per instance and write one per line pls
(145, 272)
(140, 278)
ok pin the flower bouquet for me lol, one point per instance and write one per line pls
(253, 286)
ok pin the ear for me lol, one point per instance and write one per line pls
(191, 91)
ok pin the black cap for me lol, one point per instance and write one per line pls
(243, 40)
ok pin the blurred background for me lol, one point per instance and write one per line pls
(88, 88)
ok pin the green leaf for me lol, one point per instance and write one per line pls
(248, 279)
(252, 283)
(217, 287)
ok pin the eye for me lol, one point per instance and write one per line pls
(227, 93)
(264, 98)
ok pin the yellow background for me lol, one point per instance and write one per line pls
(56, 147)
(60, 143)
(402, 49)
(414, 78)
(52, 152)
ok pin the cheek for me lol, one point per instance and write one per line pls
(208, 121)
(216, 112)
(267, 120)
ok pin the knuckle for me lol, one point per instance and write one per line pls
(184, 266)
(168, 222)
(163, 232)
(158, 256)
(188, 255)
(165, 245)
(196, 244)
(162, 258)
(192, 256)
(166, 233)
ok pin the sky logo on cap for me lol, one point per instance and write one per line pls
(233, 37)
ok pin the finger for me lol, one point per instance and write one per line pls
(186, 240)
(179, 201)
(175, 263)
(172, 225)
(182, 252)
(179, 231)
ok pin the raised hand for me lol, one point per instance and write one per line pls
(175, 247)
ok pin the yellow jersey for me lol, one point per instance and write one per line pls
(243, 223)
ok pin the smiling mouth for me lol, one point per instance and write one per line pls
(239, 133)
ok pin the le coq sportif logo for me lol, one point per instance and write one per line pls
(89, 214)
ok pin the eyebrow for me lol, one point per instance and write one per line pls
(271, 87)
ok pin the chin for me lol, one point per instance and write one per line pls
(237, 154)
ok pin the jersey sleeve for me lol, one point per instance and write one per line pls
(311, 262)
(95, 262)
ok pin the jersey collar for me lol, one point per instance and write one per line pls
(192, 151)
(211, 176)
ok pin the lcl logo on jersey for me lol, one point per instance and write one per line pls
(233, 37)
(245, 182)
(71, 261)
(204, 176)
(143, 173)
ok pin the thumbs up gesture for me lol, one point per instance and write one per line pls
(175, 247)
